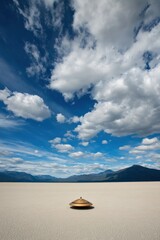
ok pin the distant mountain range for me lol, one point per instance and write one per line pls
(134, 173)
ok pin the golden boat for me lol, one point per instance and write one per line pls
(81, 203)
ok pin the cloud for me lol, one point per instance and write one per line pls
(21, 149)
(16, 2)
(84, 66)
(148, 147)
(8, 122)
(26, 151)
(57, 144)
(4, 94)
(38, 62)
(138, 157)
(109, 26)
(148, 144)
(136, 151)
(88, 155)
(81, 68)
(31, 16)
(85, 144)
(69, 135)
(25, 105)
(21, 156)
(125, 147)
(74, 119)
(153, 11)
(97, 154)
(38, 167)
(49, 3)
(67, 148)
(63, 147)
(54, 12)
(55, 140)
(33, 51)
(88, 168)
(56, 169)
(108, 61)
(148, 141)
(51, 11)
(60, 118)
(120, 113)
(76, 154)
(104, 142)
(155, 156)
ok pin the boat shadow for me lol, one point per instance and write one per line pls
(83, 208)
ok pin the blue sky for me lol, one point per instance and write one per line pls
(79, 85)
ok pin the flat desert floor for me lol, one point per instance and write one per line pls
(40, 211)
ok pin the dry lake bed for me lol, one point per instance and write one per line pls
(40, 211)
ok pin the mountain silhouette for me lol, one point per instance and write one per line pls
(134, 173)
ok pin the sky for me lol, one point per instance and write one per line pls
(79, 85)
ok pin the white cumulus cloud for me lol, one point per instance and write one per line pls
(64, 148)
(55, 140)
(148, 141)
(60, 118)
(148, 144)
(106, 20)
(122, 106)
(110, 63)
(25, 105)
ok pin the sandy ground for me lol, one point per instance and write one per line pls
(126, 211)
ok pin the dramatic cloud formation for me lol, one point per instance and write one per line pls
(116, 32)
(116, 64)
(25, 105)
(114, 67)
